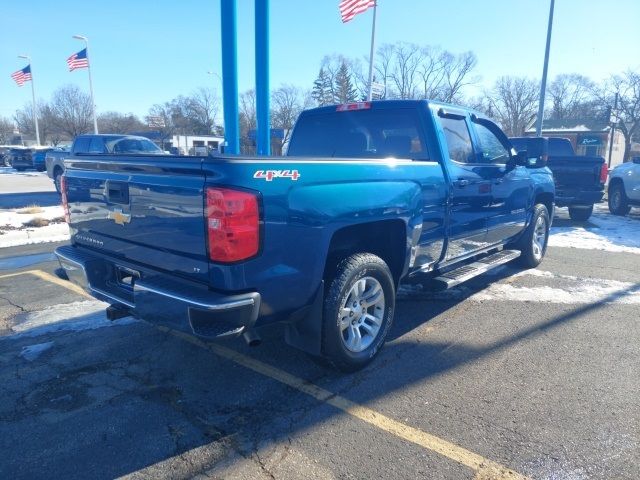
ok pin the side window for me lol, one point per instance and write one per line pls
(96, 145)
(81, 145)
(458, 139)
(492, 149)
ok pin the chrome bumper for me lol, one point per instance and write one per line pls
(161, 299)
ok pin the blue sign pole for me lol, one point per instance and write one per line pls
(262, 77)
(230, 76)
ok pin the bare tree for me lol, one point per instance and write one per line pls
(116, 122)
(202, 109)
(248, 121)
(383, 67)
(457, 73)
(627, 86)
(6, 130)
(72, 110)
(47, 122)
(513, 101)
(407, 59)
(571, 97)
(432, 73)
(286, 104)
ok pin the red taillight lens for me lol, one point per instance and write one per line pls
(233, 224)
(65, 201)
(604, 173)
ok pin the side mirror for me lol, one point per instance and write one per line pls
(523, 159)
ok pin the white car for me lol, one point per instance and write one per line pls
(624, 187)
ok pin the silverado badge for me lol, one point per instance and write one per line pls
(119, 217)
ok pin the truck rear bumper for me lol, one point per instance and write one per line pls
(159, 298)
(586, 197)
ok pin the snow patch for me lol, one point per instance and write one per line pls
(575, 290)
(15, 233)
(31, 352)
(76, 316)
(610, 233)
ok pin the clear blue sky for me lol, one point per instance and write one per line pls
(146, 52)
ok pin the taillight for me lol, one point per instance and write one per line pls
(604, 173)
(233, 224)
(65, 201)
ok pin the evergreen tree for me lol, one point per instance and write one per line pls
(345, 92)
(318, 93)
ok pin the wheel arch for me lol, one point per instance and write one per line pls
(385, 238)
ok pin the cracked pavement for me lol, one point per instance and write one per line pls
(547, 389)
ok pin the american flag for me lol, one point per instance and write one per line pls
(78, 60)
(351, 8)
(22, 76)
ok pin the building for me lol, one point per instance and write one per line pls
(588, 137)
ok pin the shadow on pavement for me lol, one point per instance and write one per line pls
(18, 200)
(109, 402)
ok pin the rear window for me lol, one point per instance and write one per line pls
(359, 134)
(560, 147)
(81, 145)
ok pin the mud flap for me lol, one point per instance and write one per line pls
(304, 330)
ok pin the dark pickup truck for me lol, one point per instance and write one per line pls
(579, 179)
(371, 194)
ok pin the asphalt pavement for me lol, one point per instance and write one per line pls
(515, 374)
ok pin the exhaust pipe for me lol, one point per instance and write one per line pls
(252, 338)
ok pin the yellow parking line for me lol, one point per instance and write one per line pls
(483, 467)
(47, 277)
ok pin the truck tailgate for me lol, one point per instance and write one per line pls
(576, 171)
(144, 210)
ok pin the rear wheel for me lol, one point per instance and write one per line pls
(534, 240)
(581, 213)
(20, 169)
(57, 176)
(618, 202)
(358, 311)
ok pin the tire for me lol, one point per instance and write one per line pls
(534, 240)
(352, 332)
(20, 169)
(618, 201)
(580, 214)
(56, 179)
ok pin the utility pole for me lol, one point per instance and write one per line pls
(543, 85)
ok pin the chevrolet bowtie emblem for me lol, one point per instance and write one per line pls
(119, 217)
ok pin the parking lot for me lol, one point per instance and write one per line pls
(514, 374)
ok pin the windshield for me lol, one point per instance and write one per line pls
(132, 145)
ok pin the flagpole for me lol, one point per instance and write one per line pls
(33, 96)
(93, 103)
(373, 42)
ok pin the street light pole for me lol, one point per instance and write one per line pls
(33, 95)
(93, 102)
(543, 85)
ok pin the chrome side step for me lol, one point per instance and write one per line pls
(466, 272)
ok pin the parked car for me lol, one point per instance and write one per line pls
(580, 180)
(98, 145)
(38, 158)
(54, 164)
(373, 193)
(624, 187)
(20, 158)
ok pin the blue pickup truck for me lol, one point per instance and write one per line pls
(370, 194)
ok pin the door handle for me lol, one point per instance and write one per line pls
(461, 182)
